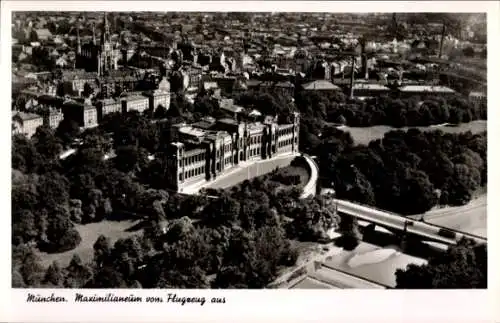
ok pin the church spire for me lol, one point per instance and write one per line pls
(105, 30)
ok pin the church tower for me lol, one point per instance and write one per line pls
(107, 59)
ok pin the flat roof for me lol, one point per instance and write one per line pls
(370, 86)
(426, 88)
(27, 116)
(189, 130)
(134, 98)
(228, 121)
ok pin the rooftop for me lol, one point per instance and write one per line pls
(26, 116)
(370, 86)
(320, 85)
(426, 88)
(191, 131)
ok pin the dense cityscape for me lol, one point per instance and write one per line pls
(249, 150)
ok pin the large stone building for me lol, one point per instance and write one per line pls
(200, 155)
(160, 96)
(134, 102)
(83, 113)
(107, 106)
(26, 123)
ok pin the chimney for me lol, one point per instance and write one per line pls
(442, 40)
(351, 95)
(364, 59)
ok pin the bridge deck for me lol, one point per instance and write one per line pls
(396, 221)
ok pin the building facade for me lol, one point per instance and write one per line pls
(160, 96)
(135, 103)
(200, 155)
(53, 118)
(90, 116)
(26, 123)
(107, 106)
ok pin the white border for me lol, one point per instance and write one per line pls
(272, 305)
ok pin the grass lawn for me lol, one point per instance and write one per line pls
(363, 135)
(113, 230)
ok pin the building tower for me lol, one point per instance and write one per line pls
(78, 42)
(93, 34)
(107, 55)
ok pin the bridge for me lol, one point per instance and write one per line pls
(382, 218)
(395, 221)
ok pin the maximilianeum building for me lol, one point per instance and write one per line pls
(199, 154)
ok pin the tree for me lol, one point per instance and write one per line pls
(160, 112)
(26, 267)
(351, 236)
(102, 250)
(87, 90)
(54, 275)
(126, 158)
(67, 131)
(25, 156)
(55, 190)
(33, 36)
(417, 193)
(24, 228)
(46, 143)
(78, 274)
(222, 211)
(469, 51)
(312, 220)
(61, 234)
(462, 266)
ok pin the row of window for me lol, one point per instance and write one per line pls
(287, 142)
(283, 132)
(192, 173)
(255, 140)
(227, 148)
(254, 152)
(192, 159)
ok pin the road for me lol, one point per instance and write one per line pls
(391, 220)
(241, 173)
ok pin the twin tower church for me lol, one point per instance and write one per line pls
(100, 57)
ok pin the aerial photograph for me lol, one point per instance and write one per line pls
(248, 150)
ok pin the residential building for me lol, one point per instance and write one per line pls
(26, 123)
(160, 96)
(107, 106)
(477, 97)
(90, 119)
(53, 118)
(135, 103)
(83, 113)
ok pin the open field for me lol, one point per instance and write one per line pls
(471, 217)
(113, 230)
(363, 135)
